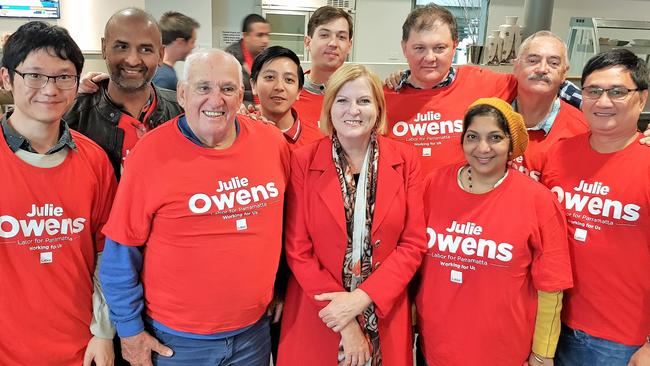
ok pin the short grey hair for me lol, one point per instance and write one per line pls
(544, 33)
(204, 52)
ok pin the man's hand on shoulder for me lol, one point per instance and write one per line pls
(253, 112)
(392, 81)
(137, 349)
(646, 137)
(88, 82)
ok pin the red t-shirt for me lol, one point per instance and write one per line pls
(606, 198)
(569, 122)
(210, 221)
(309, 106)
(431, 120)
(50, 232)
(488, 256)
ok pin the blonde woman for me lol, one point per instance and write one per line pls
(354, 235)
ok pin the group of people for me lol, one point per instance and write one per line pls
(516, 223)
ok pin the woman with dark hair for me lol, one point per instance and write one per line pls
(498, 260)
(354, 235)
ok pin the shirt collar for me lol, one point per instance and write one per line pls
(403, 81)
(185, 129)
(293, 133)
(147, 109)
(313, 87)
(16, 141)
(546, 123)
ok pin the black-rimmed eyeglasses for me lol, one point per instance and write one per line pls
(38, 81)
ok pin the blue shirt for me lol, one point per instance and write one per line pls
(165, 77)
(545, 124)
(119, 275)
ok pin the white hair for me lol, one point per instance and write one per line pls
(206, 52)
(544, 33)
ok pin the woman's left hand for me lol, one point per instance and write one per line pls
(343, 307)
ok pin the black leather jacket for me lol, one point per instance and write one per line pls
(95, 116)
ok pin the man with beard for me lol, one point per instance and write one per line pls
(127, 105)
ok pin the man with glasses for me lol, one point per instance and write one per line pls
(55, 196)
(127, 105)
(602, 179)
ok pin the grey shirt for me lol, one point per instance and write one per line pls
(16, 141)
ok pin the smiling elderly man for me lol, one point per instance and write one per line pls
(540, 70)
(197, 225)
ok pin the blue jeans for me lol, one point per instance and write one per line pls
(577, 348)
(250, 348)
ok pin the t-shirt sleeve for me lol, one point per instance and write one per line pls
(285, 157)
(547, 160)
(551, 267)
(104, 195)
(132, 213)
(494, 84)
(505, 86)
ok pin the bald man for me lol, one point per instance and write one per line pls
(127, 105)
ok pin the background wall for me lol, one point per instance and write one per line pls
(563, 10)
(201, 10)
(85, 20)
(378, 30)
(228, 16)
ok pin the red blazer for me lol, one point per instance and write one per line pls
(315, 242)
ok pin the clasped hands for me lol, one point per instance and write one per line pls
(340, 316)
(343, 307)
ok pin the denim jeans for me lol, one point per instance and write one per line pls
(577, 348)
(250, 348)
